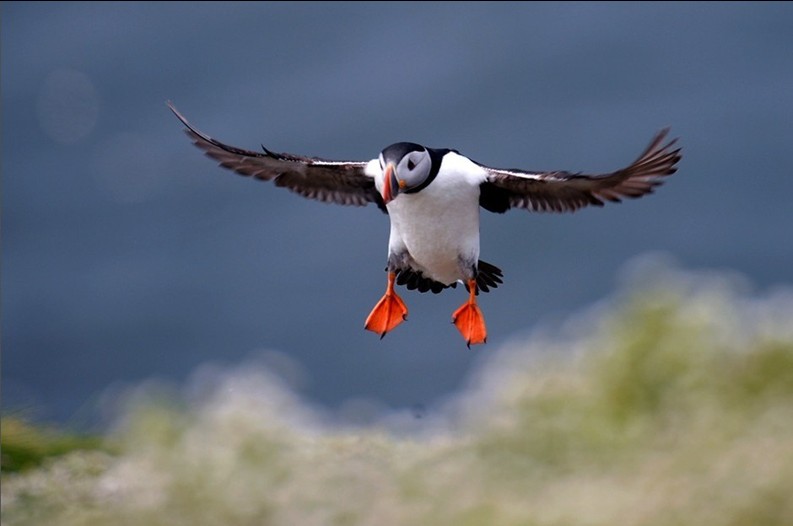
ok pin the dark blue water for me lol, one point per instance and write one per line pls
(126, 255)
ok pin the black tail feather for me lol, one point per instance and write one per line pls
(488, 277)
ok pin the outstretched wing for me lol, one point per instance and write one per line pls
(342, 182)
(567, 192)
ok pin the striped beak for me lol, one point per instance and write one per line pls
(390, 183)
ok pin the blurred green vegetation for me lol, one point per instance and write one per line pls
(674, 406)
(25, 445)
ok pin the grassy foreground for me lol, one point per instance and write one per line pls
(671, 405)
(26, 446)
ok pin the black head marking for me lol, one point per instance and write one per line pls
(397, 151)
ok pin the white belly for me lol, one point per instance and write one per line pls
(439, 227)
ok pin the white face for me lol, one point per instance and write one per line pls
(413, 169)
(412, 165)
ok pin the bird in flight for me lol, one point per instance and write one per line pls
(432, 197)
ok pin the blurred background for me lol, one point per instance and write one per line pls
(128, 256)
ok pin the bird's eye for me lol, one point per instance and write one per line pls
(411, 164)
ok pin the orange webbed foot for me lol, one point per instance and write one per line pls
(469, 320)
(389, 312)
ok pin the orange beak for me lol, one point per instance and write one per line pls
(390, 183)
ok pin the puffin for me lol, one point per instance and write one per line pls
(433, 198)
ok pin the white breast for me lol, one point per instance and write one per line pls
(439, 225)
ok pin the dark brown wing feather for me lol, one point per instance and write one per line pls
(342, 182)
(567, 192)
